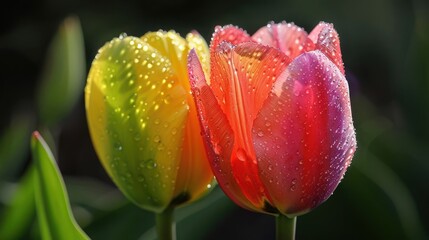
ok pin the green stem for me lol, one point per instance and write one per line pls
(165, 225)
(285, 227)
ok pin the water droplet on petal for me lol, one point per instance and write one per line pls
(293, 185)
(122, 35)
(150, 163)
(118, 146)
(241, 155)
(217, 148)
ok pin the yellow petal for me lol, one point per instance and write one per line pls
(194, 176)
(136, 109)
(173, 47)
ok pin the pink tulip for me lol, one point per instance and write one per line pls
(275, 115)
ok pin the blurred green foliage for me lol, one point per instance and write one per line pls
(61, 83)
(385, 46)
(18, 217)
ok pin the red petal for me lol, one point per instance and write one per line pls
(304, 136)
(241, 79)
(327, 41)
(216, 131)
(314, 34)
(229, 33)
(248, 70)
(289, 38)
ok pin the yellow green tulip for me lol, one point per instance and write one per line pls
(143, 120)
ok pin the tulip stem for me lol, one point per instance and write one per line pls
(165, 225)
(285, 227)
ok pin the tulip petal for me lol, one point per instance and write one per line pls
(289, 38)
(249, 69)
(133, 120)
(326, 39)
(304, 136)
(216, 131)
(175, 48)
(243, 76)
(229, 33)
(195, 174)
(196, 41)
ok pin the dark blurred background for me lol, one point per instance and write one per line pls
(385, 47)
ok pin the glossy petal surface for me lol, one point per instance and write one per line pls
(326, 39)
(197, 42)
(230, 34)
(304, 137)
(194, 171)
(275, 115)
(142, 120)
(216, 131)
(245, 75)
(287, 37)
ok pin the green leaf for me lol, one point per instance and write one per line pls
(63, 78)
(19, 215)
(52, 204)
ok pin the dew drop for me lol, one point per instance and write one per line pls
(167, 99)
(150, 164)
(118, 146)
(241, 155)
(217, 148)
(122, 35)
(293, 185)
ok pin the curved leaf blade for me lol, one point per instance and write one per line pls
(52, 204)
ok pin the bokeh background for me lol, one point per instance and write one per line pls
(385, 46)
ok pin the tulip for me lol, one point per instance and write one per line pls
(143, 120)
(275, 116)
